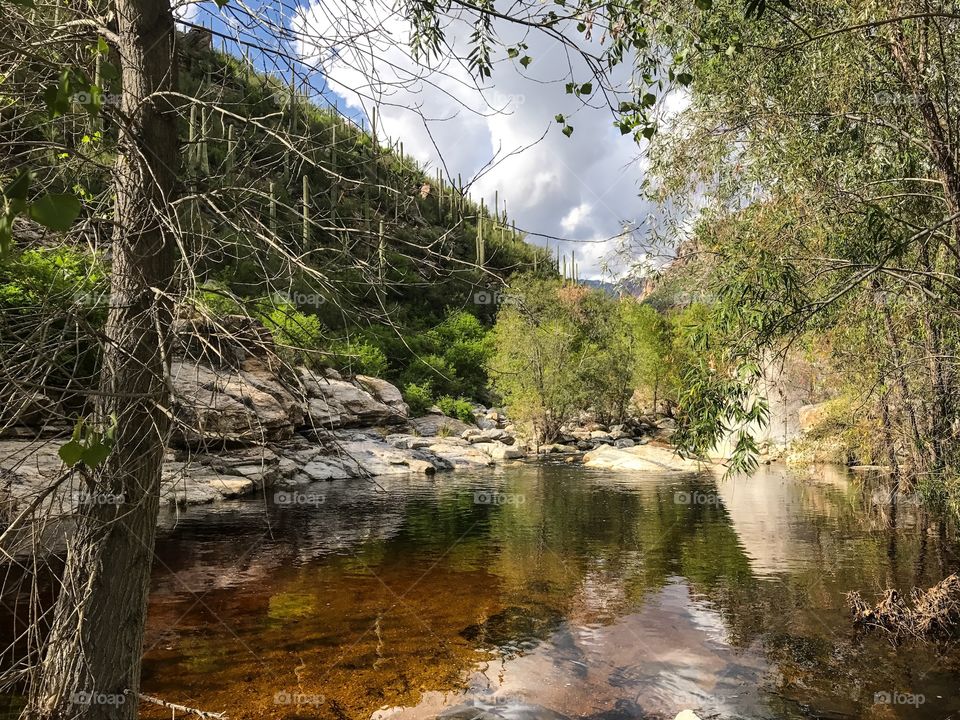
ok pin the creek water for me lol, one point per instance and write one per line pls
(546, 591)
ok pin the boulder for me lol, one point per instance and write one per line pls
(386, 393)
(236, 406)
(623, 443)
(557, 448)
(499, 451)
(438, 424)
(324, 469)
(601, 435)
(334, 404)
(459, 453)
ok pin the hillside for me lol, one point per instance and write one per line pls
(342, 244)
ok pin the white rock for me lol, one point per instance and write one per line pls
(499, 451)
(642, 458)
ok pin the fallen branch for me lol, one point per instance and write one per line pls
(181, 708)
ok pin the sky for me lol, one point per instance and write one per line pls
(584, 189)
(577, 193)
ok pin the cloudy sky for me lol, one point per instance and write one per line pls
(583, 188)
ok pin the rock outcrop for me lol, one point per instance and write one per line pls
(333, 403)
(243, 406)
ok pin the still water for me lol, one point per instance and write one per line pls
(545, 592)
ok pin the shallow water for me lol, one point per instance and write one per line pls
(576, 594)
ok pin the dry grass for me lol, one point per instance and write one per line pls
(929, 614)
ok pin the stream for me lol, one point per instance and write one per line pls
(545, 591)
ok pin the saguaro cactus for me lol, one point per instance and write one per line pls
(305, 208)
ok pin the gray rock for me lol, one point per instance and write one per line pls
(245, 406)
(499, 451)
(334, 404)
(386, 393)
(438, 424)
(623, 443)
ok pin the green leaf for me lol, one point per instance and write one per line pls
(559, 118)
(94, 455)
(221, 4)
(649, 131)
(586, 88)
(6, 234)
(512, 52)
(649, 99)
(567, 130)
(684, 78)
(18, 187)
(56, 211)
(108, 71)
(703, 4)
(526, 60)
(570, 87)
(71, 453)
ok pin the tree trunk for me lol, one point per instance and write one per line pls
(90, 668)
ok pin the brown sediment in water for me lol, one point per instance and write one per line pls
(284, 642)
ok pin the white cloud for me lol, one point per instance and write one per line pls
(572, 220)
(583, 188)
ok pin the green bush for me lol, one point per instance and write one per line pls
(360, 358)
(459, 408)
(433, 370)
(298, 335)
(418, 397)
(216, 300)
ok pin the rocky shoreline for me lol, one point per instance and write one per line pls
(245, 422)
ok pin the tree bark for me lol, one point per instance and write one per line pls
(90, 667)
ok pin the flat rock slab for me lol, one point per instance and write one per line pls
(641, 458)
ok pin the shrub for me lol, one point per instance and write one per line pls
(459, 408)
(216, 300)
(418, 397)
(432, 370)
(360, 358)
(298, 335)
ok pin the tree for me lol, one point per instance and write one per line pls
(540, 357)
(822, 149)
(96, 635)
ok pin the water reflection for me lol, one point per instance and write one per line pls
(588, 595)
